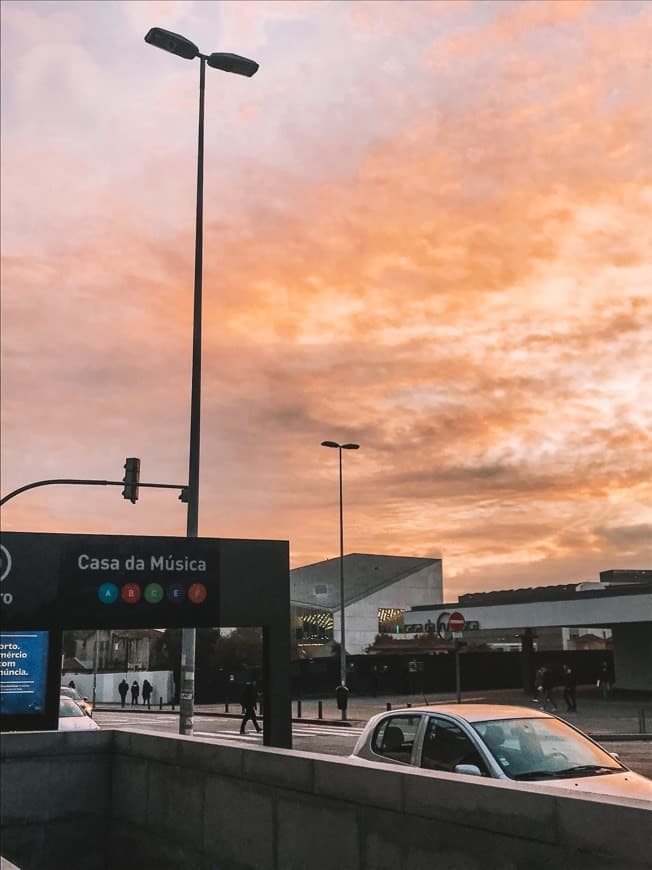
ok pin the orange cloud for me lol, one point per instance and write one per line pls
(463, 289)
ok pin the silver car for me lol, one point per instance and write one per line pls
(499, 741)
(73, 718)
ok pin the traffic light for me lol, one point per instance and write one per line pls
(131, 479)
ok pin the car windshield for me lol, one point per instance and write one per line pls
(68, 692)
(543, 748)
(69, 708)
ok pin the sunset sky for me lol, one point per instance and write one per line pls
(428, 229)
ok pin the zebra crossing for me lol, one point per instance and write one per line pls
(170, 721)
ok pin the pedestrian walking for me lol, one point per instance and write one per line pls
(570, 685)
(545, 684)
(548, 686)
(147, 693)
(135, 692)
(248, 699)
(606, 679)
(123, 688)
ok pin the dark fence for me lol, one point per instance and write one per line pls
(408, 675)
(403, 675)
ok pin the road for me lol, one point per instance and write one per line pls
(308, 737)
(331, 739)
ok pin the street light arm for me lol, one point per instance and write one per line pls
(77, 482)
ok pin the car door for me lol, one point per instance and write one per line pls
(446, 744)
(395, 737)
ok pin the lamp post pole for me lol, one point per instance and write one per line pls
(179, 45)
(341, 447)
(188, 635)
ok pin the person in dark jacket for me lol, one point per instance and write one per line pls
(607, 679)
(570, 684)
(548, 686)
(147, 693)
(135, 692)
(123, 688)
(544, 685)
(248, 699)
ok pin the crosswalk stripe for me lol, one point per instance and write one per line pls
(108, 721)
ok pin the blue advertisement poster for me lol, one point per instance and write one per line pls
(23, 671)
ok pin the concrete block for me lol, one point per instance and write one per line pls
(212, 757)
(129, 789)
(132, 847)
(390, 840)
(81, 785)
(86, 742)
(618, 827)
(316, 833)
(279, 767)
(509, 808)
(23, 794)
(175, 802)
(18, 744)
(146, 744)
(373, 786)
(238, 825)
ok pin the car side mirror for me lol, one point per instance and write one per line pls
(615, 755)
(468, 769)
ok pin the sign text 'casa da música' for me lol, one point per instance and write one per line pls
(109, 581)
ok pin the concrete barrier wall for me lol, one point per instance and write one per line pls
(175, 802)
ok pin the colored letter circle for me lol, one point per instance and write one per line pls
(131, 593)
(153, 593)
(197, 593)
(107, 593)
(176, 593)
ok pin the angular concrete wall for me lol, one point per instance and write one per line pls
(174, 802)
(419, 587)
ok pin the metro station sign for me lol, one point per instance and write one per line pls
(109, 581)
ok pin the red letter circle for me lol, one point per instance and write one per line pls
(130, 593)
(197, 593)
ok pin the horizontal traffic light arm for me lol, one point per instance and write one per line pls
(75, 482)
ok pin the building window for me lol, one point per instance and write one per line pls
(390, 620)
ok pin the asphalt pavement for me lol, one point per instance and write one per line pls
(620, 717)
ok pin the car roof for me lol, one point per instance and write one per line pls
(477, 712)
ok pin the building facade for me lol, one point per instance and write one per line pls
(377, 592)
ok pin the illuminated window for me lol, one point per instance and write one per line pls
(390, 620)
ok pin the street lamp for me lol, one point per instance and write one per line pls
(341, 447)
(233, 63)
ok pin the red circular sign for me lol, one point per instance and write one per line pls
(197, 593)
(456, 621)
(130, 593)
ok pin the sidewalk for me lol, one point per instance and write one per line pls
(617, 718)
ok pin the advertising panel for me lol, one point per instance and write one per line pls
(23, 672)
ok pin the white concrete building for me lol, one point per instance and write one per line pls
(377, 590)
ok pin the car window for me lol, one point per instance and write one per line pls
(68, 708)
(394, 737)
(445, 745)
(67, 692)
(543, 748)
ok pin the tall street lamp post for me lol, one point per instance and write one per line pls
(340, 448)
(233, 63)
